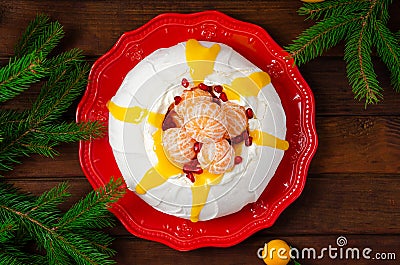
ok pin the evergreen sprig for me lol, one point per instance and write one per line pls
(73, 237)
(69, 238)
(36, 130)
(362, 24)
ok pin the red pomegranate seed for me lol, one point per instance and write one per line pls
(197, 146)
(223, 97)
(249, 113)
(238, 160)
(249, 141)
(198, 170)
(203, 86)
(177, 100)
(190, 176)
(185, 82)
(218, 89)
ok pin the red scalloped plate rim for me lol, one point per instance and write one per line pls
(304, 158)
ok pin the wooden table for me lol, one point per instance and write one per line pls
(353, 186)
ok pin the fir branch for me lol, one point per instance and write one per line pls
(59, 92)
(32, 32)
(388, 49)
(19, 74)
(364, 26)
(332, 8)
(359, 65)
(62, 240)
(70, 132)
(40, 37)
(320, 37)
(83, 213)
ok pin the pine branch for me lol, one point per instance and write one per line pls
(332, 8)
(359, 65)
(59, 92)
(388, 49)
(83, 214)
(320, 37)
(362, 24)
(59, 235)
(73, 237)
(32, 32)
(19, 74)
(70, 132)
(40, 37)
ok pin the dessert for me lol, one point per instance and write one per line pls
(197, 130)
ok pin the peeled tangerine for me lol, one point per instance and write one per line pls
(235, 118)
(216, 157)
(178, 146)
(194, 93)
(204, 120)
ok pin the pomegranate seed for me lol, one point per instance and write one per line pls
(177, 100)
(249, 113)
(204, 87)
(198, 171)
(185, 82)
(238, 160)
(218, 89)
(197, 146)
(190, 176)
(249, 141)
(223, 97)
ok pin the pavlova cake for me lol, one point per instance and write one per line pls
(197, 130)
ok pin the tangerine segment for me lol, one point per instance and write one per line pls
(216, 157)
(194, 93)
(178, 146)
(235, 118)
(204, 120)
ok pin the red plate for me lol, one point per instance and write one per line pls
(255, 44)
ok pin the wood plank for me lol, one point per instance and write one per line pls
(348, 144)
(101, 23)
(330, 204)
(146, 252)
(333, 95)
(326, 77)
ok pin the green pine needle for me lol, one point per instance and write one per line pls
(19, 74)
(360, 70)
(362, 24)
(37, 130)
(388, 48)
(331, 8)
(74, 237)
(320, 37)
(64, 237)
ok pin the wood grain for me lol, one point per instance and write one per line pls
(95, 26)
(145, 252)
(330, 204)
(354, 179)
(347, 144)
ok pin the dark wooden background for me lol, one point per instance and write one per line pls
(353, 187)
